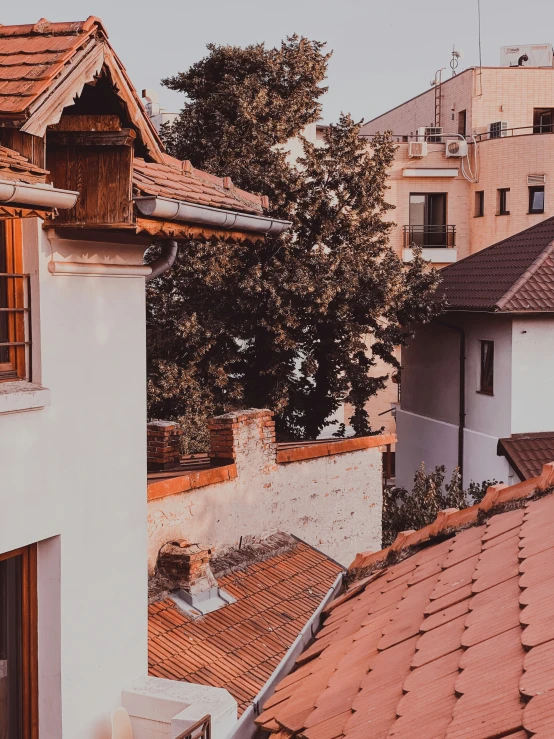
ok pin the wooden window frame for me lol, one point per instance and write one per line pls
(15, 368)
(486, 388)
(29, 632)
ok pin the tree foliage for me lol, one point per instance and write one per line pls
(283, 323)
(407, 511)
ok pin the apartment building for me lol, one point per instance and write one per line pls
(475, 158)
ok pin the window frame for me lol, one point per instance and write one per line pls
(539, 127)
(479, 204)
(29, 638)
(532, 190)
(14, 289)
(486, 387)
(503, 209)
(462, 118)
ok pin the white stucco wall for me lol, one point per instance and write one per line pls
(73, 480)
(427, 423)
(533, 369)
(333, 503)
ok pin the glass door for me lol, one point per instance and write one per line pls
(428, 219)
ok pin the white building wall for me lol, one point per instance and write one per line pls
(533, 369)
(73, 479)
(427, 423)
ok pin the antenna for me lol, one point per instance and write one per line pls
(456, 56)
(479, 22)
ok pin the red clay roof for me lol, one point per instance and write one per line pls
(455, 641)
(239, 646)
(33, 55)
(516, 274)
(528, 453)
(181, 181)
(14, 166)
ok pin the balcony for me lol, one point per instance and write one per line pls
(437, 242)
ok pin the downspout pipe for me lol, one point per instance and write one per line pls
(164, 261)
(461, 395)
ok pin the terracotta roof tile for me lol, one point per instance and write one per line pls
(394, 662)
(239, 646)
(527, 453)
(178, 180)
(14, 166)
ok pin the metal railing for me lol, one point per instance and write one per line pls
(15, 326)
(433, 237)
(498, 133)
(201, 730)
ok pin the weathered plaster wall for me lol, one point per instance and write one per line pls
(333, 503)
(73, 480)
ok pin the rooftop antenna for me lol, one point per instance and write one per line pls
(456, 56)
(480, 58)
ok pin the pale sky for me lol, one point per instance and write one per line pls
(384, 52)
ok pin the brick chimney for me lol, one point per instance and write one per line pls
(163, 445)
(188, 566)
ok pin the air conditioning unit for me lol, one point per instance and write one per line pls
(456, 148)
(431, 134)
(498, 129)
(417, 149)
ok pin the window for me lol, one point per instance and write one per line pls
(462, 122)
(487, 367)
(543, 120)
(12, 302)
(503, 206)
(536, 199)
(479, 203)
(427, 226)
(18, 645)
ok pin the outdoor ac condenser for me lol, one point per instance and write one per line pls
(456, 148)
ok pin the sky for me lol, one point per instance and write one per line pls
(383, 52)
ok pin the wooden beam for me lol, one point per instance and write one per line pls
(18, 211)
(125, 137)
(87, 123)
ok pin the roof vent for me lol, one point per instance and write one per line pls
(187, 566)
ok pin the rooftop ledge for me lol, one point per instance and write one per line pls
(302, 451)
(22, 396)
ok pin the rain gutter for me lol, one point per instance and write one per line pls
(245, 728)
(40, 195)
(179, 210)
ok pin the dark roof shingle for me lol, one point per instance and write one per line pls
(516, 274)
(528, 453)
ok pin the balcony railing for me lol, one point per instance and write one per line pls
(15, 326)
(201, 730)
(430, 237)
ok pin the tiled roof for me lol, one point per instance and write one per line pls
(527, 453)
(239, 646)
(181, 181)
(453, 640)
(33, 55)
(516, 274)
(14, 166)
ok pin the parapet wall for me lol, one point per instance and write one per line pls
(327, 493)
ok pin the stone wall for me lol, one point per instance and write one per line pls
(328, 494)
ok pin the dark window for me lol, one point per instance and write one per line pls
(18, 667)
(543, 120)
(503, 205)
(536, 199)
(487, 367)
(479, 203)
(462, 122)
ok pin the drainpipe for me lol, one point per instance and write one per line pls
(164, 261)
(462, 396)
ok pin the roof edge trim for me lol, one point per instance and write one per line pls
(529, 272)
(179, 210)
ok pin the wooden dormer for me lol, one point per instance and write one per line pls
(93, 154)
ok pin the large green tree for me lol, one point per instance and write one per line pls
(283, 323)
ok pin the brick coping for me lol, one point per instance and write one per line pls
(331, 448)
(190, 481)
